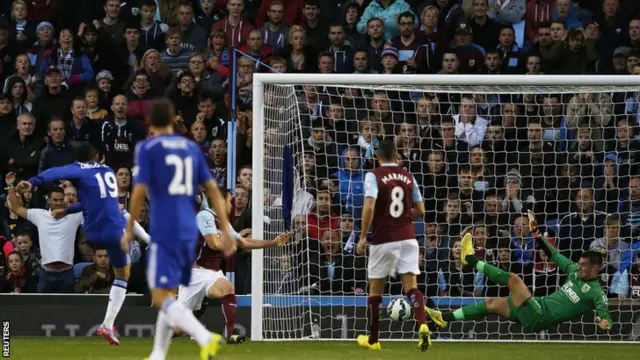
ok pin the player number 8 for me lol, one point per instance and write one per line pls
(397, 202)
(107, 181)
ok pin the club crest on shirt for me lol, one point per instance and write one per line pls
(586, 288)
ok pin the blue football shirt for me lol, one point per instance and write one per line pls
(172, 167)
(97, 194)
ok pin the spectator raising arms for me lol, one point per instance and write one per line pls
(56, 243)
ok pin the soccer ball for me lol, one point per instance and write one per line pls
(399, 310)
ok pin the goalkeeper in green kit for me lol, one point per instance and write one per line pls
(579, 294)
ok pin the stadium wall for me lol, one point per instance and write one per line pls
(338, 317)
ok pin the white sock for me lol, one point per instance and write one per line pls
(162, 339)
(116, 297)
(138, 231)
(180, 316)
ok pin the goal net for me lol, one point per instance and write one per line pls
(483, 150)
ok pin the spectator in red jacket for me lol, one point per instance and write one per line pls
(235, 27)
(139, 96)
(292, 11)
(321, 217)
(43, 10)
(538, 12)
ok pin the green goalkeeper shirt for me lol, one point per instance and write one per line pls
(576, 297)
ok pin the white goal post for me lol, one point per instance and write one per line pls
(290, 298)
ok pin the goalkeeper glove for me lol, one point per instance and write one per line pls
(533, 225)
(603, 324)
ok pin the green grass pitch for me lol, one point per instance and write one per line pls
(134, 348)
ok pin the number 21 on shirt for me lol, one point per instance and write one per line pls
(182, 181)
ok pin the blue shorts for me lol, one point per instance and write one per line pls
(110, 240)
(169, 263)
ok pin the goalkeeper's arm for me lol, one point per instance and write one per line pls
(552, 253)
(602, 312)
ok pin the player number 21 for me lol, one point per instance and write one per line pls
(397, 202)
(107, 181)
(182, 181)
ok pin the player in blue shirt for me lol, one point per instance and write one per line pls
(168, 169)
(103, 224)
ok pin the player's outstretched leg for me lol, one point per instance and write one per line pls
(470, 312)
(223, 289)
(518, 289)
(409, 283)
(117, 294)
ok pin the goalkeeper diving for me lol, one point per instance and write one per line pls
(579, 294)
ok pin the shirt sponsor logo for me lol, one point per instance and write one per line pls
(567, 289)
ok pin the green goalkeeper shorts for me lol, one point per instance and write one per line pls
(526, 316)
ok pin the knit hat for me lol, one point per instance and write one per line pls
(464, 27)
(51, 69)
(390, 51)
(104, 74)
(44, 24)
(621, 51)
(513, 174)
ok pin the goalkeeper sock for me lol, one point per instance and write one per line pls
(162, 338)
(495, 274)
(117, 294)
(470, 312)
(417, 301)
(475, 311)
(373, 314)
(229, 311)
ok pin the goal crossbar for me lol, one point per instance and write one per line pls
(261, 79)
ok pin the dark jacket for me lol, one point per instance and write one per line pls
(153, 38)
(310, 60)
(55, 155)
(89, 131)
(90, 282)
(25, 154)
(343, 59)
(52, 106)
(194, 39)
(118, 142)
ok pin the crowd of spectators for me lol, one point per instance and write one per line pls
(85, 71)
